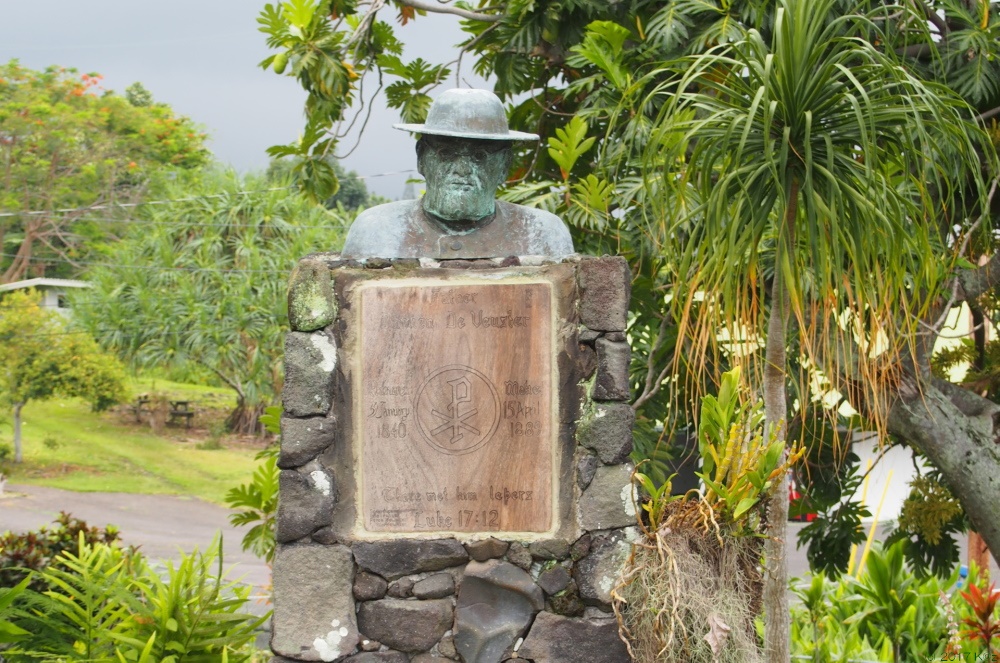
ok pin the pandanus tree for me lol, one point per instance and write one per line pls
(802, 180)
(198, 283)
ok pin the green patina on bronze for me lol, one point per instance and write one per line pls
(464, 154)
(311, 304)
(462, 178)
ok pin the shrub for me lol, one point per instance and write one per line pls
(107, 603)
(890, 613)
(22, 553)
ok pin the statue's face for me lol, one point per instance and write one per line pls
(462, 176)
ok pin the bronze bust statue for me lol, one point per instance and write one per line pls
(464, 153)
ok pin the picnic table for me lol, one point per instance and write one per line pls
(181, 410)
(141, 407)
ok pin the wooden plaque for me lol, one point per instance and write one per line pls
(454, 407)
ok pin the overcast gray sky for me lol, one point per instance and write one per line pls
(200, 56)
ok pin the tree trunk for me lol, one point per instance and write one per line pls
(777, 618)
(959, 432)
(22, 258)
(777, 612)
(18, 455)
(245, 419)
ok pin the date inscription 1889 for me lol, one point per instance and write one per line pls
(454, 406)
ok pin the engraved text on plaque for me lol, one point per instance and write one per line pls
(455, 407)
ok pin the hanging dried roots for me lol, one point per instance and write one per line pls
(689, 593)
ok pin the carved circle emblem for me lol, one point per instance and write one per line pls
(457, 409)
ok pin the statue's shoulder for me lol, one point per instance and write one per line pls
(546, 233)
(378, 230)
(394, 212)
(541, 216)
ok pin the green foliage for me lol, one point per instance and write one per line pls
(738, 467)
(818, 629)
(271, 419)
(409, 94)
(326, 61)
(886, 614)
(9, 631)
(829, 461)
(138, 95)
(256, 502)
(202, 282)
(829, 481)
(41, 358)
(192, 614)
(656, 497)
(569, 144)
(86, 604)
(70, 144)
(107, 603)
(968, 60)
(831, 536)
(771, 176)
(351, 195)
(891, 599)
(927, 525)
(23, 553)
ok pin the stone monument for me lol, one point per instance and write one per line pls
(454, 482)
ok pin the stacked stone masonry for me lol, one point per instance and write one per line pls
(342, 593)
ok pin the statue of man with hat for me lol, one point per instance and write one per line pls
(464, 153)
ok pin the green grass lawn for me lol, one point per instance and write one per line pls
(68, 446)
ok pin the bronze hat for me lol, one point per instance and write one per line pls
(467, 113)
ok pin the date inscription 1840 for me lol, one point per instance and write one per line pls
(455, 407)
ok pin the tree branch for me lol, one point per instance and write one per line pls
(652, 386)
(448, 9)
(233, 384)
(993, 112)
(975, 282)
(933, 17)
(968, 402)
(915, 51)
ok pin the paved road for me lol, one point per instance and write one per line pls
(161, 525)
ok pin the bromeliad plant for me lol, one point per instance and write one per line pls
(690, 590)
(739, 467)
(656, 499)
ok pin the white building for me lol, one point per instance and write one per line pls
(53, 291)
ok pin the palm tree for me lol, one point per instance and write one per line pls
(818, 165)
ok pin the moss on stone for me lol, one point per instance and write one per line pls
(311, 304)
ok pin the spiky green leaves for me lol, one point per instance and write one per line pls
(812, 151)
